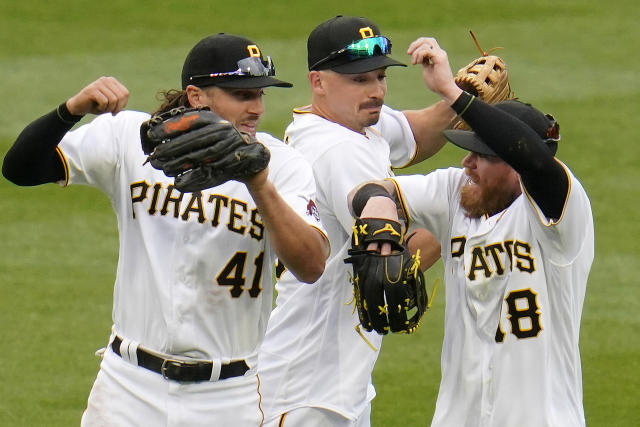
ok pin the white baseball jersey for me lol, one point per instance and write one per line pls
(515, 285)
(312, 354)
(194, 273)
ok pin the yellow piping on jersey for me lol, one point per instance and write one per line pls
(403, 205)
(305, 109)
(326, 238)
(65, 165)
(552, 222)
(260, 400)
(413, 157)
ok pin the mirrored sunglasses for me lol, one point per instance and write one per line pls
(251, 66)
(363, 48)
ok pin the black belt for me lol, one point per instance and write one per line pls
(180, 370)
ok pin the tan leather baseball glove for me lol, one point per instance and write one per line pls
(485, 77)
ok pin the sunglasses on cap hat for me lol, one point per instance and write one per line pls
(251, 66)
(362, 48)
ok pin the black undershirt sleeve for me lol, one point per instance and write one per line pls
(521, 147)
(33, 159)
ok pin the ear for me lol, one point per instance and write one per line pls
(195, 96)
(317, 82)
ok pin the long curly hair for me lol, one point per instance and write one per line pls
(171, 98)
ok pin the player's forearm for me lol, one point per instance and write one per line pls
(543, 177)
(33, 160)
(428, 246)
(300, 247)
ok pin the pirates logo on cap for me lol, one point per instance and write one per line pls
(366, 32)
(254, 51)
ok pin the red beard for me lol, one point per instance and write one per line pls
(478, 201)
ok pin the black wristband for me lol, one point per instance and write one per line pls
(363, 195)
(461, 104)
(65, 116)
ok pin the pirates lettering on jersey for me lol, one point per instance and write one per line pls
(488, 259)
(198, 206)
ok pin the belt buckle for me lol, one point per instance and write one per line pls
(172, 363)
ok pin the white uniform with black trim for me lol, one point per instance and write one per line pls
(194, 275)
(515, 286)
(312, 355)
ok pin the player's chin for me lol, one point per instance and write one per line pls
(371, 118)
(471, 190)
(250, 128)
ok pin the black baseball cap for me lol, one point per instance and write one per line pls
(337, 33)
(220, 53)
(543, 124)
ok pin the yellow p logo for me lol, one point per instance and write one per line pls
(253, 50)
(366, 32)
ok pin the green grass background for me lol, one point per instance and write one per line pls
(576, 59)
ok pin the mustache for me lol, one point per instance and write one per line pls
(252, 117)
(376, 103)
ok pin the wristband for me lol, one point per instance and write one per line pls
(363, 195)
(463, 102)
(65, 116)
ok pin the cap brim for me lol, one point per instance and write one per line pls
(235, 82)
(365, 65)
(469, 141)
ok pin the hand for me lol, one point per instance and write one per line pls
(257, 182)
(436, 71)
(105, 95)
(380, 207)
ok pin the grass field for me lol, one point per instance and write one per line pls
(576, 59)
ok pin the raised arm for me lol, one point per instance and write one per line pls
(105, 95)
(427, 124)
(33, 159)
(544, 178)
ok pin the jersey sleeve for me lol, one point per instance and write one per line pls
(572, 231)
(342, 172)
(293, 178)
(428, 200)
(394, 127)
(91, 153)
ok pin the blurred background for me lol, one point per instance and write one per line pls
(574, 59)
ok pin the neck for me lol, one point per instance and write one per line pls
(318, 111)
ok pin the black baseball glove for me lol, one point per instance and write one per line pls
(200, 149)
(389, 290)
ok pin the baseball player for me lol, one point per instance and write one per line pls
(316, 362)
(193, 289)
(516, 231)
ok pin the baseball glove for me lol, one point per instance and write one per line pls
(200, 149)
(389, 290)
(485, 77)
